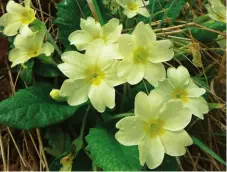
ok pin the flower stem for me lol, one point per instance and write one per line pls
(53, 42)
(97, 9)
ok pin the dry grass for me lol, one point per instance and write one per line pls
(23, 150)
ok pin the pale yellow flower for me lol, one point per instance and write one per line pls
(216, 10)
(179, 86)
(90, 76)
(17, 17)
(142, 56)
(157, 128)
(92, 30)
(134, 7)
(29, 47)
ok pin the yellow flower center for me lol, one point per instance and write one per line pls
(28, 16)
(94, 75)
(154, 128)
(132, 6)
(179, 93)
(140, 55)
(33, 53)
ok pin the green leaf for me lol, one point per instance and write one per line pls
(169, 164)
(171, 9)
(46, 59)
(110, 155)
(200, 144)
(207, 36)
(26, 72)
(33, 108)
(47, 70)
(215, 105)
(99, 14)
(59, 141)
(68, 19)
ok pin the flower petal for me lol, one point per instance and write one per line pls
(148, 106)
(76, 91)
(151, 152)
(80, 39)
(13, 7)
(133, 73)
(112, 30)
(129, 13)
(12, 29)
(94, 50)
(155, 73)
(126, 45)
(175, 142)
(164, 88)
(179, 76)
(123, 3)
(111, 75)
(131, 131)
(174, 116)
(111, 51)
(161, 51)
(25, 31)
(144, 35)
(143, 11)
(193, 90)
(91, 26)
(17, 56)
(98, 100)
(47, 49)
(198, 106)
(74, 65)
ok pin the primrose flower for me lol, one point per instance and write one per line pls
(216, 10)
(90, 76)
(179, 86)
(17, 17)
(156, 127)
(29, 47)
(92, 30)
(134, 7)
(142, 56)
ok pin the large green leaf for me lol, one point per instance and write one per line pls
(207, 36)
(110, 155)
(47, 70)
(33, 108)
(68, 19)
(59, 141)
(170, 9)
(26, 73)
(169, 164)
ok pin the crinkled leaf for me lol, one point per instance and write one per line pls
(215, 105)
(26, 72)
(68, 18)
(110, 155)
(47, 70)
(33, 108)
(207, 36)
(169, 164)
(59, 141)
(166, 9)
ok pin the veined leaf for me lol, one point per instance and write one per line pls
(110, 155)
(68, 19)
(33, 108)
